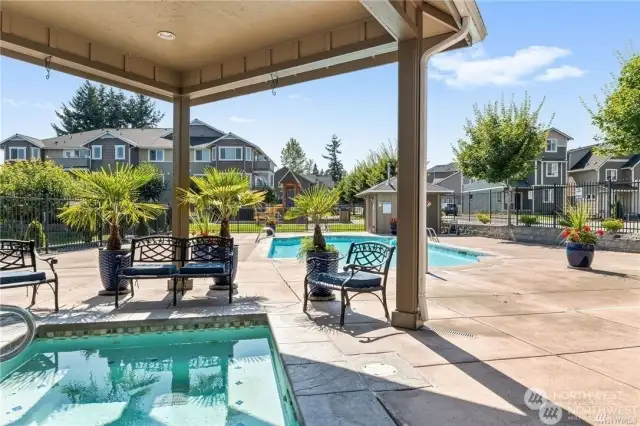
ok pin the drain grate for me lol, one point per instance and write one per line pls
(453, 332)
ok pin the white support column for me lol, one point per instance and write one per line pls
(180, 213)
(412, 252)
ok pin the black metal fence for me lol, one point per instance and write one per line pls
(544, 205)
(36, 218)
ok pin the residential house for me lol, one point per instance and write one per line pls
(210, 147)
(609, 184)
(446, 176)
(289, 184)
(531, 194)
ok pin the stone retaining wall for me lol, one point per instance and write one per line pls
(551, 236)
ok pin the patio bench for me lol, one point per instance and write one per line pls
(365, 272)
(18, 268)
(176, 259)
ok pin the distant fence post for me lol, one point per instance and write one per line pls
(610, 201)
(489, 206)
(555, 204)
(45, 218)
(469, 203)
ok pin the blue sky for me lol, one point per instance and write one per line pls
(557, 50)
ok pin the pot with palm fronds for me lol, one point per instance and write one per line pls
(316, 203)
(110, 197)
(223, 193)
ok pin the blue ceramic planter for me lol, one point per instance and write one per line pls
(580, 255)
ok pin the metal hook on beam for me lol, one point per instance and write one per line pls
(47, 66)
(274, 84)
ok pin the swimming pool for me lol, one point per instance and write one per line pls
(438, 254)
(214, 377)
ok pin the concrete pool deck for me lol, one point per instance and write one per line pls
(524, 321)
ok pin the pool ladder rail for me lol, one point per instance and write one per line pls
(15, 350)
(432, 236)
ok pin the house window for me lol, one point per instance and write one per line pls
(96, 152)
(75, 153)
(17, 153)
(120, 152)
(552, 145)
(551, 169)
(547, 196)
(611, 174)
(35, 153)
(156, 155)
(202, 155)
(248, 153)
(499, 197)
(213, 153)
(271, 180)
(230, 154)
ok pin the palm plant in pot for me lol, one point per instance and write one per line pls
(578, 236)
(110, 197)
(316, 203)
(223, 193)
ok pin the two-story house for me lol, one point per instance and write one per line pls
(609, 184)
(446, 176)
(531, 194)
(210, 147)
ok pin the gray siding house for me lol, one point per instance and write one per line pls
(529, 194)
(446, 176)
(609, 184)
(92, 150)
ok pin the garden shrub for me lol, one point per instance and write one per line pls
(612, 225)
(529, 220)
(483, 217)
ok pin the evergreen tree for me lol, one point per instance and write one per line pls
(315, 170)
(309, 167)
(336, 169)
(95, 107)
(293, 156)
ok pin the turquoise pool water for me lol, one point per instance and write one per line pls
(221, 377)
(438, 255)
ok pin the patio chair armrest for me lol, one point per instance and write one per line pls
(51, 260)
(119, 260)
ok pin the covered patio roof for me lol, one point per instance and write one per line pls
(222, 49)
(194, 52)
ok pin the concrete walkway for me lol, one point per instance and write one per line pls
(520, 321)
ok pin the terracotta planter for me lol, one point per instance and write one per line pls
(580, 255)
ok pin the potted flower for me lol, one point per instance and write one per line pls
(393, 224)
(271, 222)
(112, 198)
(578, 236)
(224, 193)
(316, 203)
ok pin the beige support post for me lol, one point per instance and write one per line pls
(412, 254)
(180, 212)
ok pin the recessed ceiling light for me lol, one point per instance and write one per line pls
(166, 35)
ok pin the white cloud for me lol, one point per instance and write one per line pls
(298, 97)
(237, 119)
(474, 68)
(560, 73)
(18, 104)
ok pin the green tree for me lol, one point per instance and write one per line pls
(618, 117)
(223, 192)
(94, 107)
(293, 156)
(314, 170)
(336, 169)
(369, 172)
(111, 197)
(502, 143)
(156, 187)
(310, 166)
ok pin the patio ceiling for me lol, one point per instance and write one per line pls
(222, 48)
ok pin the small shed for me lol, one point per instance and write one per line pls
(381, 204)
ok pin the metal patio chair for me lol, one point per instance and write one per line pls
(365, 272)
(16, 254)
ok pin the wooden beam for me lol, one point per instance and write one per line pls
(394, 17)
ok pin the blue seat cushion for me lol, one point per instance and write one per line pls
(359, 280)
(14, 277)
(151, 270)
(202, 268)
